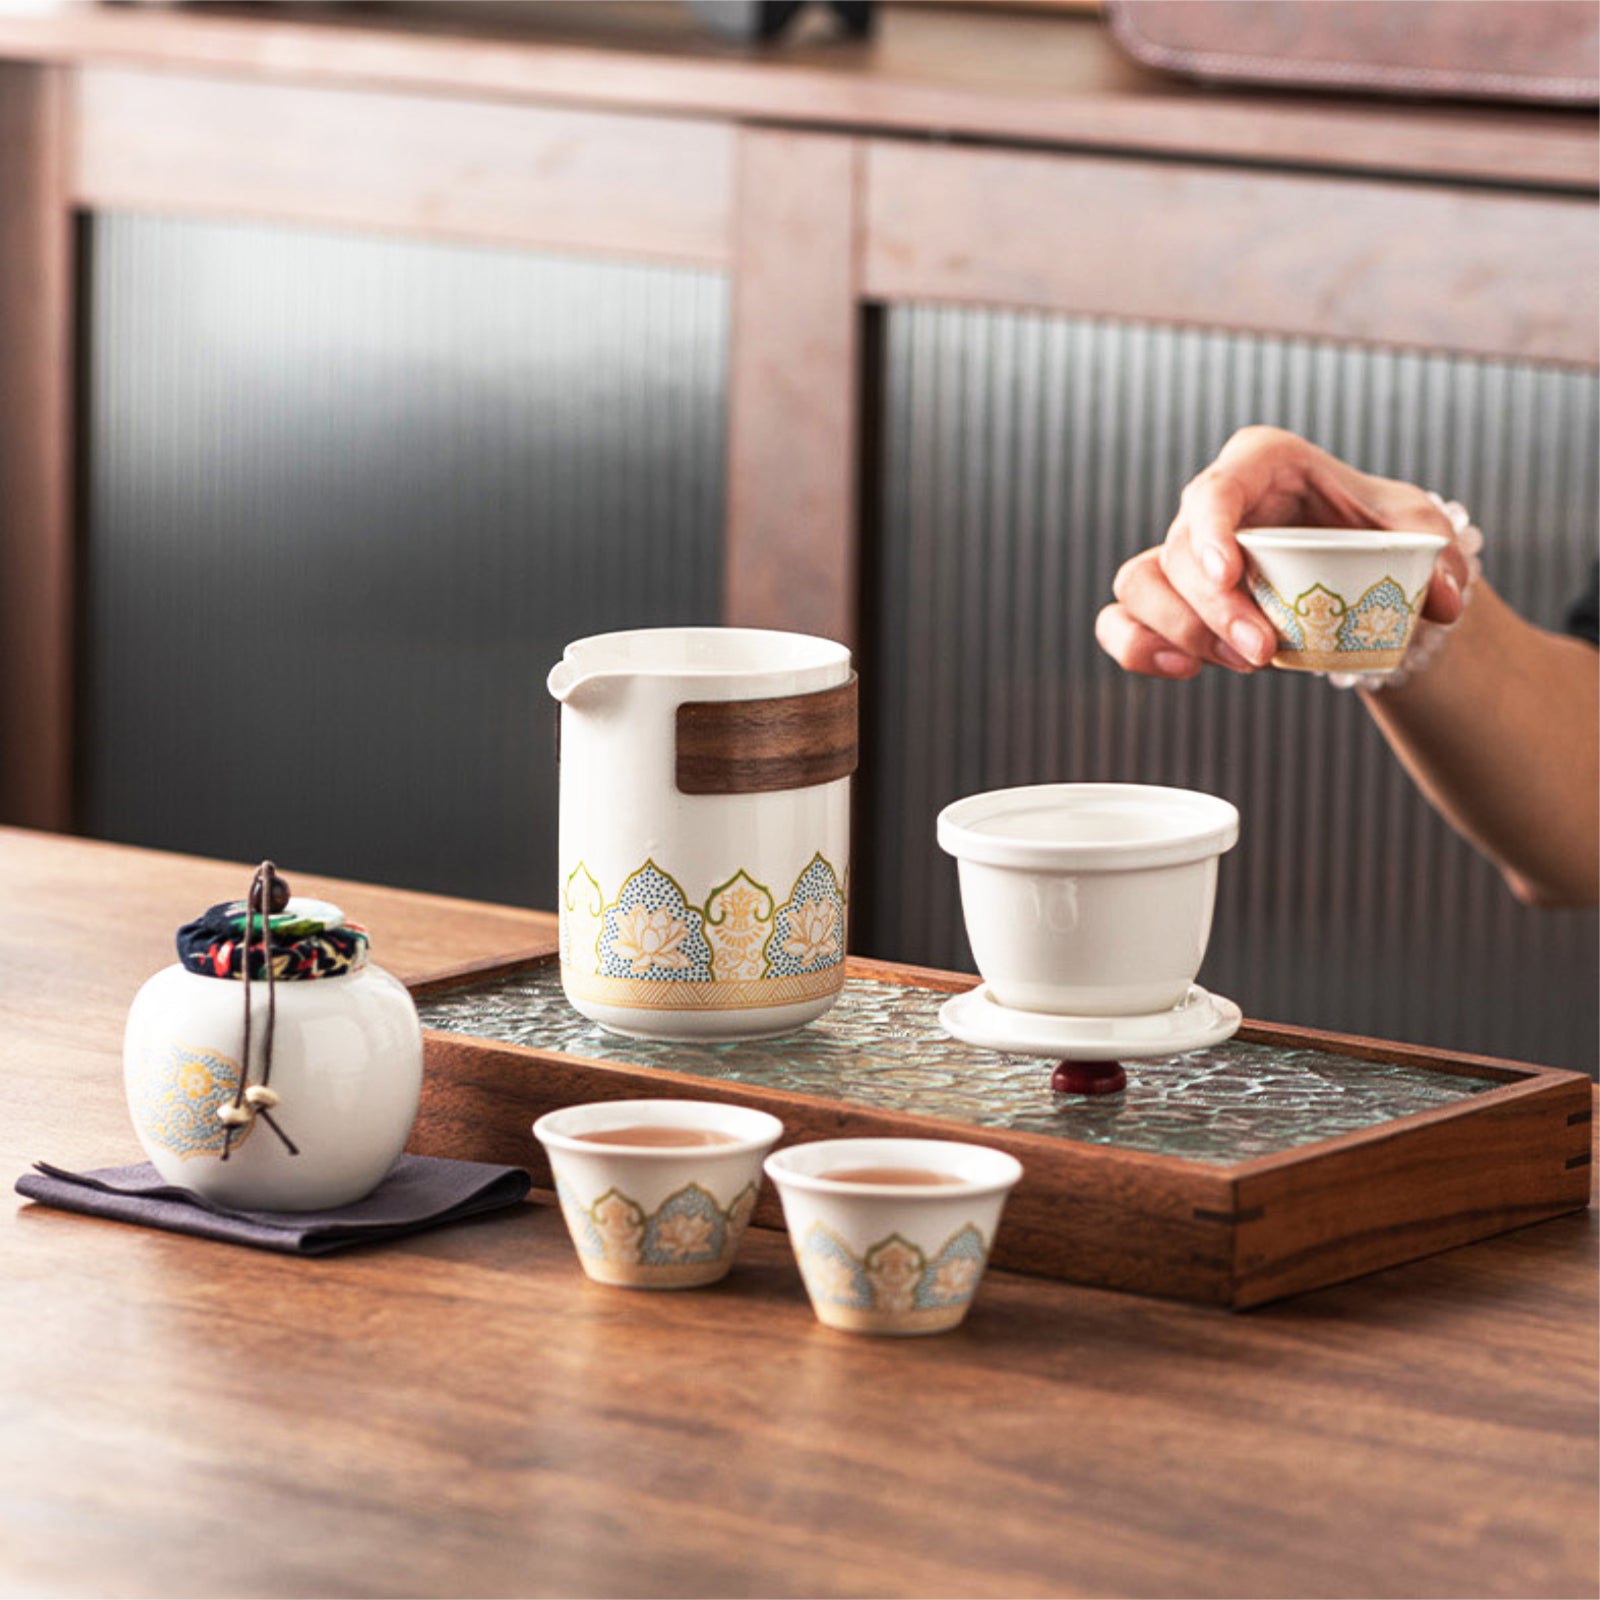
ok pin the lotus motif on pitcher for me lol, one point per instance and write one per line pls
(813, 932)
(648, 940)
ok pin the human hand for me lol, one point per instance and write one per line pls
(1182, 603)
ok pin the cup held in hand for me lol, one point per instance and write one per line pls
(1340, 599)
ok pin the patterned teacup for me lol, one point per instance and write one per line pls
(892, 1234)
(1340, 599)
(657, 1193)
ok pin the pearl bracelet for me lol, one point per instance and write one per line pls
(1429, 637)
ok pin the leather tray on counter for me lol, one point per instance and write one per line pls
(1279, 1161)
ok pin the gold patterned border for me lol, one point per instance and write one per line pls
(719, 994)
(1338, 660)
(859, 1319)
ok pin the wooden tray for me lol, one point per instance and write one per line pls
(1279, 1161)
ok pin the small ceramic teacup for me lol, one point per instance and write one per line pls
(892, 1234)
(1340, 599)
(657, 1193)
(1088, 899)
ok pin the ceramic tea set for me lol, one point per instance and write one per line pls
(891, 1235)
(704, 836)
(704, 878)
(704, 859)
(704, 864)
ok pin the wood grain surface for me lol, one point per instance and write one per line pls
(976, 72)
(763, 746)
(791, 534)
(464, 1414)
(36, 528)
(426, 166)
(1432, 267)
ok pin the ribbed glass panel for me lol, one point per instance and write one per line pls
(1025, 458)
(347, 499)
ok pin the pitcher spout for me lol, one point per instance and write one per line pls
(583, 691)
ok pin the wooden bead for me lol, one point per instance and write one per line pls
(260, 1097)
(233, 1116)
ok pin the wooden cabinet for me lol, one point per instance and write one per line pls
(977, 178)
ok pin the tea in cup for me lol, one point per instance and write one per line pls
(657, 1193)
(1088, 899)
(1340, 599)
(892, 1235)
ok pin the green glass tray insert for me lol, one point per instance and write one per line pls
(882, 1047)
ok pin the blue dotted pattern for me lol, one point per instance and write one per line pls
(966, 1247)
(689, 1214)
(1279, 615)
(1385, 594)
(816, 883)
(841, 1279)
(653, 892)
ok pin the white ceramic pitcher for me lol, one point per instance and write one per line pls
(705, 829)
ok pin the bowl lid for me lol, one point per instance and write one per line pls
(1088, 827)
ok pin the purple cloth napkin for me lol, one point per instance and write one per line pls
(420, 1192)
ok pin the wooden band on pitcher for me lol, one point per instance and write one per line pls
(760, 746)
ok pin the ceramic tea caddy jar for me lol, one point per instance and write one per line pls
(293, 1089)
(705, 829)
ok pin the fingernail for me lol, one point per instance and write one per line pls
(1230, 657)
(1172, 663)
(1451, 584)
(1251, 642)
(1215, 564)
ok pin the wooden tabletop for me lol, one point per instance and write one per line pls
(464, 1414)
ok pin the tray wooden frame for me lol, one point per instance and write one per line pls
(1233, 1235)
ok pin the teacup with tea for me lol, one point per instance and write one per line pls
(657, 1194)
(892, 1235)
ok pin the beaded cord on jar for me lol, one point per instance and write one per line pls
(259, 938)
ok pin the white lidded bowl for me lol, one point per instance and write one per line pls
(888, 1258)
(1088, 899)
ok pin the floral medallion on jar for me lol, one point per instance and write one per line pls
(175, 1098)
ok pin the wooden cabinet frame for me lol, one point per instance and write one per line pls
(815, 225)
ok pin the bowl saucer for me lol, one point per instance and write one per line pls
(1199, 1019)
